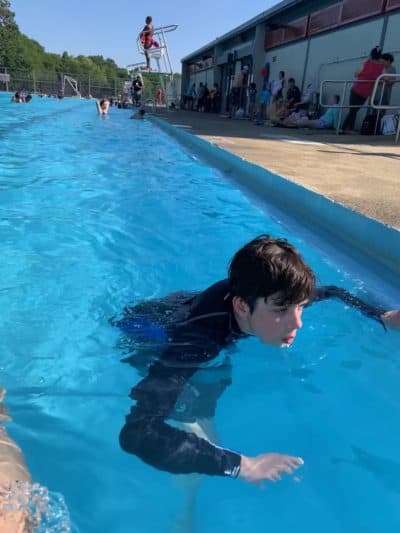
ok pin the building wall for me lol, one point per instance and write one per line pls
(334, 55)
(337, 55)
(392, 45)
(290, 59)
(204, 76)
(392, 39)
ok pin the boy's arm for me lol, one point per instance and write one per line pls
(146, 433)
(386, 318)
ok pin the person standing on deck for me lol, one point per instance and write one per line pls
(238, 86)
(146, 37)
(362, 89)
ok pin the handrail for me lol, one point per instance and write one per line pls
(166, 29)
(341, 106)
(386, 107)
(378, 80)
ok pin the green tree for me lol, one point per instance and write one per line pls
(22, 55)
(6, 15)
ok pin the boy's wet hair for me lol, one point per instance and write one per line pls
(267, 266)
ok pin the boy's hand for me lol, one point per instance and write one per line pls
(391, 319)
(268, 466)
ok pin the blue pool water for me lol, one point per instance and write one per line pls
(98, 213)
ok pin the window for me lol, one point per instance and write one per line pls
(354, 9)
(295, 29)
(273, 38)
(325, 19)
(392, 4)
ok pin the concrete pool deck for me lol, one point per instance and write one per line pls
(360, 172)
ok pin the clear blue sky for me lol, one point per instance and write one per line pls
(109, 28)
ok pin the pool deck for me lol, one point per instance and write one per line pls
(360, 172)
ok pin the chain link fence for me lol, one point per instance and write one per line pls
(49, 82)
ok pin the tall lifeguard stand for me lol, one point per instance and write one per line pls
(160, 55)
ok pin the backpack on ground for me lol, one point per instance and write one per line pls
(368, 124)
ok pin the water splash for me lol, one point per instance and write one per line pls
(46, 512)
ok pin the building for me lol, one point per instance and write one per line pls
(310, 40)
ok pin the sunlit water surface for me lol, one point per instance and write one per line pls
(98, 213)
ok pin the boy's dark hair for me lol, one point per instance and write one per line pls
(266, 266)
(337, 98)
(149, 19)
(375, 53)
(291, 80)
(388, 57)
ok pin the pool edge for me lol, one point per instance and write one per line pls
(366, 237)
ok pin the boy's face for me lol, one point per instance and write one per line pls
(273, 323)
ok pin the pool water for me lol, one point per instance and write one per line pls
(99, 213)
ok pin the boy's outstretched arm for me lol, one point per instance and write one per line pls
(148, 434)
(390, 319)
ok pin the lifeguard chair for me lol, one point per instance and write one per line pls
(159, 54)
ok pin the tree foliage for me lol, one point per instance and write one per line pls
(26, 59)
(6, 15)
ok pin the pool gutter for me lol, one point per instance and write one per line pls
(367, 240)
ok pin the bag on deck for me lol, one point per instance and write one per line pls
(389, 124)
(368, 125)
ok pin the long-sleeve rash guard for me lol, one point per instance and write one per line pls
(193, 328)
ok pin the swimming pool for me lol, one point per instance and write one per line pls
(96, 214)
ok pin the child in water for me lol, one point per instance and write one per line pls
(103, 106)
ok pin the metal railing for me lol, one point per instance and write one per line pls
(385, 107)
(379, 84)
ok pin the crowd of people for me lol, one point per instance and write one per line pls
(202, 98)
(285, 105)
(297, 109)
